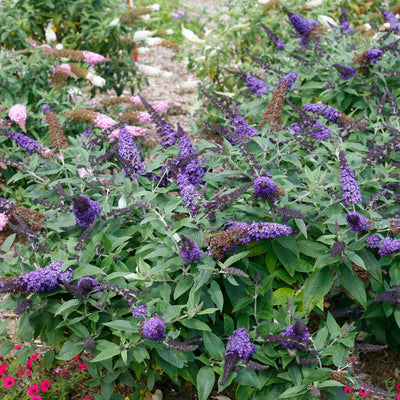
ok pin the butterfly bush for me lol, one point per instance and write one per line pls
(222, 244)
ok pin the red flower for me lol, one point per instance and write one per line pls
(35, 356)
(45, 385)
(347, 389)
(82, 367)
(32, 390)
(29, 364)
(20, 371)
(398, 385)
(398, 396)
(17, 347)
(362, 393)
(36, 397)
(8, 382)
(3, 369)
(76, 358)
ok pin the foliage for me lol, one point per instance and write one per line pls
(209, 260)
(80, 25)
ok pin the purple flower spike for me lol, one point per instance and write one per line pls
(345, 71)
(87, 283)
(330, 113)
(389, 246)
(131, 160)
(290, 79)
(356, 221)
(373, 241)
(85, 210)
(298, 330)
(256, 86)
(45, 279)
(373, 55)
(302, 26)
(264, 186)
(28, 144)
(389, 17)
(350, 190)
(139, 310)
(153, 328)
(240, 344)
(239, 347)
(190, 252)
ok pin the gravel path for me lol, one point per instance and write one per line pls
(180, 89)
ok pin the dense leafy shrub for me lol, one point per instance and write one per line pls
(80, 25)
(209, 261)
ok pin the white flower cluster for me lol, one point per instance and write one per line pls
(95, 80)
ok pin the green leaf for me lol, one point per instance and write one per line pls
(302, 226)
(122, 325)
(311, 248)
(67, 305)
(216, 295)
(232, 259)
(214, 345)
(353, 284)
(8, 243)
(280, 295)
(317, 286)
(373, 266)
(205, 382)
(286, 257)
(288, 243)
(183, 286)
(294, 391)
(195, 324)
(110, 351)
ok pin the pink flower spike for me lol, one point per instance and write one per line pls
(135, 100)
(18, 114)
(347, 389)
(103, 121)
(76, 358)
(8, 382)
(82, 367)
(160, 106)
(32, 390)
(144, 117)
(44, 387)
(91, 58)
(3, 221)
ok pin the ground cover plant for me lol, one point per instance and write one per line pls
(264, 261)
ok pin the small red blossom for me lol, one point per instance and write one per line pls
(32, 390)
(363, 393)
(35, 356)
(347, 389)
(398, 385)
(44, 387)
(36, 397)
(28, 372)
(76, 358)
(86, 398)
(82, 367)
(17, 347)
(28, 364)
(3, 369)
(8, 382)
(20, 371)
(398, 396)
